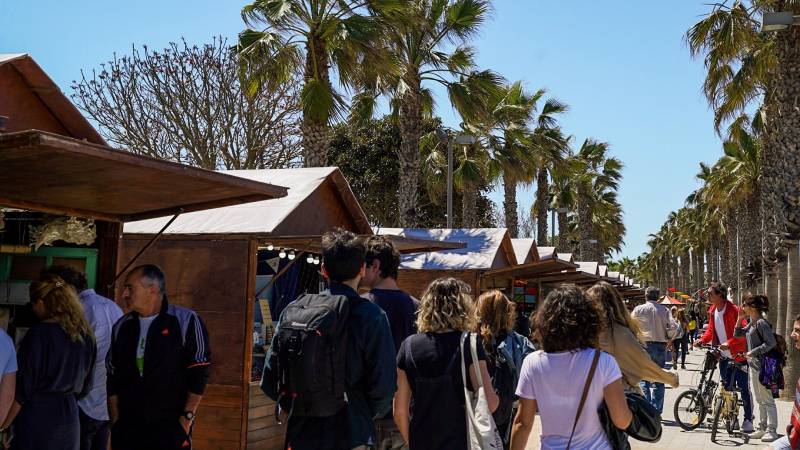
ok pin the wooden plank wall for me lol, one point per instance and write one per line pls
(263, 431)
(214, 278)
(414, 281)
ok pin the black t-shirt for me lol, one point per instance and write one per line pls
(400, 309)
(432, 363)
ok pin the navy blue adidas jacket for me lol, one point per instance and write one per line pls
(176, 361)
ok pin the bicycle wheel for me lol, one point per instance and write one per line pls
(690, 410)
(717, 417)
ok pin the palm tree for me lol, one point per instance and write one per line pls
(793, 292)
(427, 43)
(312, 37)
(506, 136)
(744, 66)
(563, 199)
(595, 173)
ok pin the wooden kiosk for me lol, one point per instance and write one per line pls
(211, 261)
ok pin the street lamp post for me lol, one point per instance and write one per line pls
(460, 139)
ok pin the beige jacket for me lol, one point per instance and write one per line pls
(633, 359)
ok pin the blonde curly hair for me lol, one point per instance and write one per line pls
(446, 306)
(62, 305)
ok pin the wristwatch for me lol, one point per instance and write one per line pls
(188, 415)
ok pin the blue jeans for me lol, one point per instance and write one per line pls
(658, 353)
(731, 375)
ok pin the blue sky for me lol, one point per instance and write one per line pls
(622, 66)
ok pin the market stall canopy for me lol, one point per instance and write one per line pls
(602, 270)
(525, 250)
(533, 271)
(55, 174)
(319, 199)
(666, 300)
(566, 257)
(31, 100)
(485, 248)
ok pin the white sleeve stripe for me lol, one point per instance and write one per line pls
(201, 345)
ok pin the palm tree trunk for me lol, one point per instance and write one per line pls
(410, 132)
(469, 207)
(563, 231)
(315, 133)
(510, 205)
(782, 143)
(584, 226)
(540, 206)
(686, 270)
(731, 263)
(792, 371)
(771, 287)
(751, 243)
(780, 306)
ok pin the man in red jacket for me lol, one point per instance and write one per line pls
(722, 318)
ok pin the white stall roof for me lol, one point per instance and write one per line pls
(589, 267)
(546, 252)
(525, 250)
(603, 270)
(566, 257)
(487, 248)
(265, 216)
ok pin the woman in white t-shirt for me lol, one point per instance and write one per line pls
(567, 326)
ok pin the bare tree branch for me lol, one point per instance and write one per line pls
(186, 104)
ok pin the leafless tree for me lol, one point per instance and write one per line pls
(186, 104)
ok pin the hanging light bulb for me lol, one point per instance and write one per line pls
(291, 255)
(282, 254)
(316, 260)
(310, 259)
(270, 247)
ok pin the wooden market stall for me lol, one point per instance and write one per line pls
(214, 261)
(485, 249)
(53, 164)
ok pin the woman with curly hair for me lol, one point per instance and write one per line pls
(429, 406)
(567, 326)
(620, 338)
(505, 351)
(55, 362)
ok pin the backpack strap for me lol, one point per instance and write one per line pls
(585, 393)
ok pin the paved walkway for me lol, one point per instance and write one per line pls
(674, 437)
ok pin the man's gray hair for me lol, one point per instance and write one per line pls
(152, 274)
(652, 293)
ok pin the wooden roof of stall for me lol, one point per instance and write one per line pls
(403, 245)
(318, 200)
(55, 174)
(484, 249)
(32, 101)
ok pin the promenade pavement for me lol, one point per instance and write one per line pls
(674, 437)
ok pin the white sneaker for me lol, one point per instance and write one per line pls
(758, 434)
(770, 436)
(747, 426)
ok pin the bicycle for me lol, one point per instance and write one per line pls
(696, 403)
(726, 408)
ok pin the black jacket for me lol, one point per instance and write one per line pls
(176, 361)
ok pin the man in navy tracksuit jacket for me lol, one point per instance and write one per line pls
(158, 367)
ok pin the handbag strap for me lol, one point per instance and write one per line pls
(585, 393)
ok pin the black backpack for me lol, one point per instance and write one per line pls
(307, 358)
(504, 384)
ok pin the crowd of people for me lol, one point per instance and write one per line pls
(86, 374)
(439, 389)
(364, 365)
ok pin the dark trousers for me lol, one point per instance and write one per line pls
(152, 435)
(731, 376)
(94, 433)
(680, 347)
